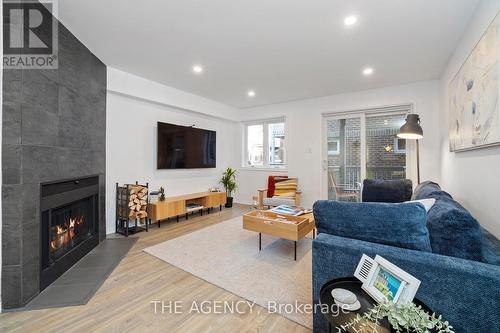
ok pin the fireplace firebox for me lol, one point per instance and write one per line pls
(70, 224)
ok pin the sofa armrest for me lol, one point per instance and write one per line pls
(465, 292)
(262, 194)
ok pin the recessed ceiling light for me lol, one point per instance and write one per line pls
(197, 69)
(350, 20)
(251, 93)
(368, 71)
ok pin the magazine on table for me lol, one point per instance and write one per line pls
(288, 210)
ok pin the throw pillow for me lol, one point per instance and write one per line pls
(381, 190)
(427, 203)
(395, 224)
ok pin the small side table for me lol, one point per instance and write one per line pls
(337, 317)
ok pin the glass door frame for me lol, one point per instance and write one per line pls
(362, 115)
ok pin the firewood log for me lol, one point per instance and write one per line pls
(142, 214)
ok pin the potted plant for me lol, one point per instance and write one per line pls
(402, 318)
(228, 180)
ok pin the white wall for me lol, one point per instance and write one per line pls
(131, 137)
(304, 133)
(131, 85)
(471, 177)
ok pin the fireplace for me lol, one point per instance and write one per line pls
(70, 224)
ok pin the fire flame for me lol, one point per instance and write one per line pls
(65, 233)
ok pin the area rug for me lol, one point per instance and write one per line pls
(228, 256)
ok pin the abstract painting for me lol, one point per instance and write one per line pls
(474, 95)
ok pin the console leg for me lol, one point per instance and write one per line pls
(295, 251)
(260, 241)
(186, 216)
(159, 222)
(220, 207)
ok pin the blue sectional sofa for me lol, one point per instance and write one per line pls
(457, 261)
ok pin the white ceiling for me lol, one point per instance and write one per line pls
(283, 49)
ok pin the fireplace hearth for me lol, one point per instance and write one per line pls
(70, 224)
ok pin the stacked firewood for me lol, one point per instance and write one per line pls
(138, 202)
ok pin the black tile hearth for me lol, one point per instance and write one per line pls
(80, 283)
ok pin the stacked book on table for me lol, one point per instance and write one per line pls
(289, 210)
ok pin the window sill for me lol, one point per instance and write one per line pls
(268, 169)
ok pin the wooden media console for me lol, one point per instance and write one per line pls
(177, 205)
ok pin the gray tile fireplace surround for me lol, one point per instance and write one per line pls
(54, 127)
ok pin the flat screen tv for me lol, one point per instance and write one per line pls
(183, 147)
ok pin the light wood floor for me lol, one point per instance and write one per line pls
(122, 304)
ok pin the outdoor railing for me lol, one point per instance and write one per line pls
(348, 177)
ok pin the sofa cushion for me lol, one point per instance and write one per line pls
(395, 224)
(490, 248)
(427, 190)
(276, 201)
(452, 229)
(379, 190)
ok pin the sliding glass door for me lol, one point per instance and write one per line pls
(385, 152)
(343, 157)
(358, 146)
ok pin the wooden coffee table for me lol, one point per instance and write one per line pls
(283, 226)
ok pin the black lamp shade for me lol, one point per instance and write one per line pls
(411, 129)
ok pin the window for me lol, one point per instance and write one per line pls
(399, 146)
(333, 147)
(265, 144)
(382, 162)
(255, 145)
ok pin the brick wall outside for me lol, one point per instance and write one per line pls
(381, 133)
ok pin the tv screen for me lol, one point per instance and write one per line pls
(182, 147)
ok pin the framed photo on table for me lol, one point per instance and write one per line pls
(385, 281)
